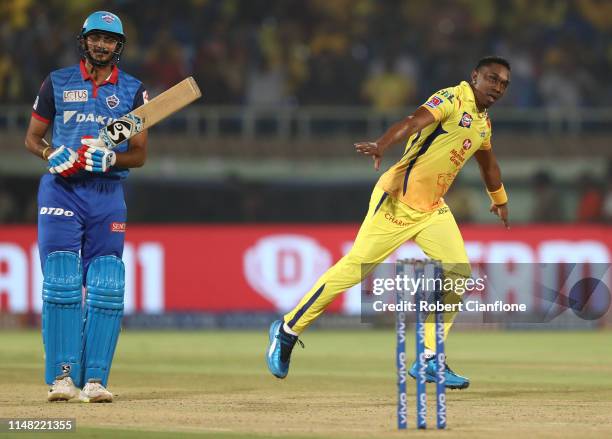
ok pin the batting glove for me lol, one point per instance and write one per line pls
(94, 157)
(63, 161)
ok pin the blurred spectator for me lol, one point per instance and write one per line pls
(590, 203)
(547, 206)
(387, 89)
(7, 205)
(266, 85)
(165, 63)
(557, 75)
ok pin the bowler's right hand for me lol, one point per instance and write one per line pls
(64, 161)
(371, 149)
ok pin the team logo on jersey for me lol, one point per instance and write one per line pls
(434, 102)
(467, 144)
(112, 101)
(466, 120)
(75, 95)
(108, 18)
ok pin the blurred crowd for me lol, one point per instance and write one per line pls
(383, 54)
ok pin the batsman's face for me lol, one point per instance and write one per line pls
(490, 83)
(101, 46)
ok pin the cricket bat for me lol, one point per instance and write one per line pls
(148, 114)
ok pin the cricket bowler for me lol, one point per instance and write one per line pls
(81, 210)
(407, 204)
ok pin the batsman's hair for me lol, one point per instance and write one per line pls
(492, 59)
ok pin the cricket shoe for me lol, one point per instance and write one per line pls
(94, 391)
(451, 379)
(62, 389)
(280, 346)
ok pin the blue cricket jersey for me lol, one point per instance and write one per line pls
(77, 107)
(86, 212)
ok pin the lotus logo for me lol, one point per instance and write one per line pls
(282, 268)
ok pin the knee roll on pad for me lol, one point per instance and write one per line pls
(62, 315)
(104, 310)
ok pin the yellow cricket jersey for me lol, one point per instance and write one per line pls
(436, 154)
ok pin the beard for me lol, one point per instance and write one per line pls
(100, 54)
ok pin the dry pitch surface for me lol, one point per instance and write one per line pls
(215, 384)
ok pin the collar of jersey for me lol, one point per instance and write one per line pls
(112, 79)
(468, 96)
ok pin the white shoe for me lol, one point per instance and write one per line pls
(62, 389)
(94, 391)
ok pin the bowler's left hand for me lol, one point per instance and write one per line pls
(501, 212)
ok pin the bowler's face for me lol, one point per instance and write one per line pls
(490, 83)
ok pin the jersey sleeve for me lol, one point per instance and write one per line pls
(44, 105)
(441, 104)
(141, 97)
(486, 143)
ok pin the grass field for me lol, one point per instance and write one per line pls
(215, 384)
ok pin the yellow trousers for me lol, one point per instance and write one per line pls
(388, 224)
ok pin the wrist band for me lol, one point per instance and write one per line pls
(498, 197)
(44, 152)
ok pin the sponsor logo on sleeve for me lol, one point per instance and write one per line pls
(118, 227)
(75, 95)
(448, 95)
(112, 101)
(434, 102)
(35, 106)
(145, 96)
(466, 120)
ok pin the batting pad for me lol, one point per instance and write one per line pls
(62, 315)
(104, 309)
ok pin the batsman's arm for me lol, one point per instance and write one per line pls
(491, 175)
(35, 139)
(136, 155)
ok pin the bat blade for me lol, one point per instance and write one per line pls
(150, 113)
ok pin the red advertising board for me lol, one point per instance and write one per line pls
(267, 267)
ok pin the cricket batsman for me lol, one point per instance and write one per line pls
(407, 204)
(81, 210)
